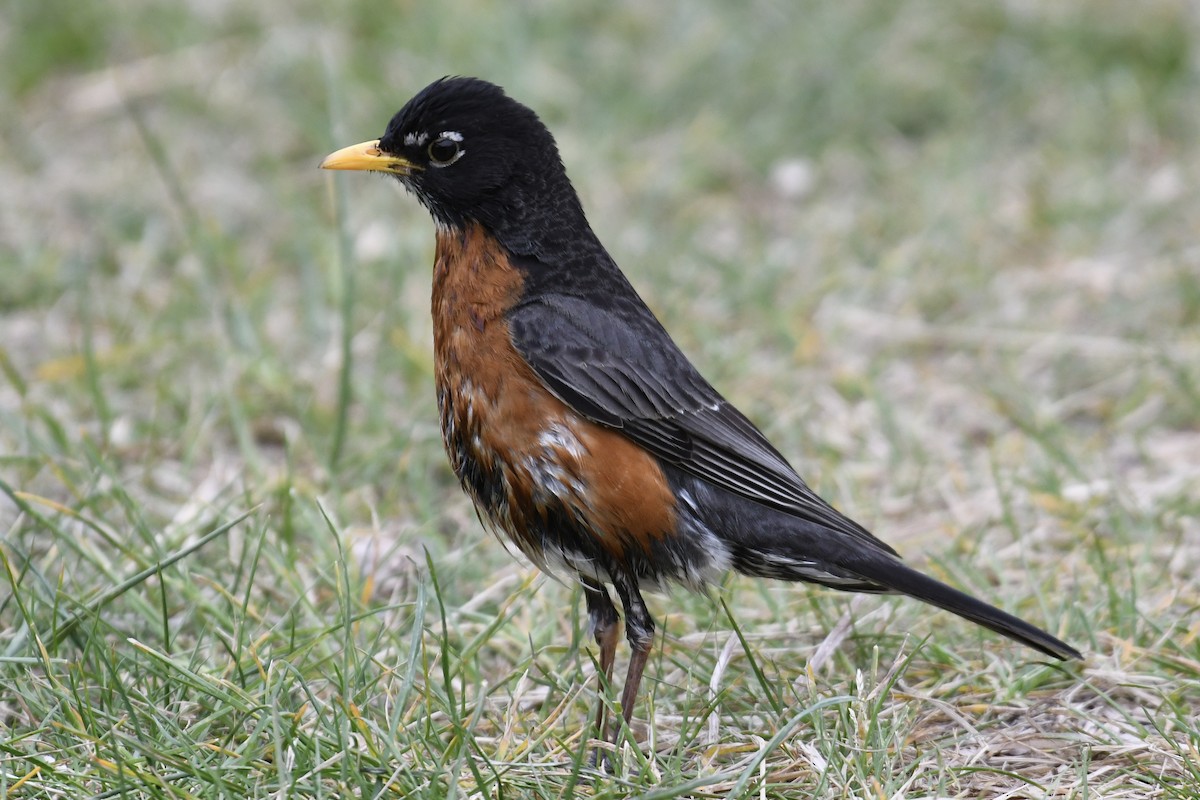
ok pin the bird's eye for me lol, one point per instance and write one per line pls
(444, 151)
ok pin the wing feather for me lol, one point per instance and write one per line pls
(619, 368)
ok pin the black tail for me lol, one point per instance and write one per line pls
(897, 576)
(822, 546)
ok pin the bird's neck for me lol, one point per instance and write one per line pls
(542, 229)
(539, 217)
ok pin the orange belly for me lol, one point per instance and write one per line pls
(566, 491)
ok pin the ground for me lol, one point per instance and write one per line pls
(947, 255)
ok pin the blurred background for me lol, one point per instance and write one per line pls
(946, 254)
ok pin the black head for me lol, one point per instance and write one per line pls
(470, 154)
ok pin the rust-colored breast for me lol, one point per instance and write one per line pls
(552, 480)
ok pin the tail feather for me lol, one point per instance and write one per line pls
(899, 577)
(769, 543)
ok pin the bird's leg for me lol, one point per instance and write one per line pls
(639, 630)
(603, 618)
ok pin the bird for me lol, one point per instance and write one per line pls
(576, 425)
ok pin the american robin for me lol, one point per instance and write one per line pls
(571, 418)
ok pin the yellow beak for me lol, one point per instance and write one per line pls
(367, 156)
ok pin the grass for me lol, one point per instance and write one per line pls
(944, 253)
